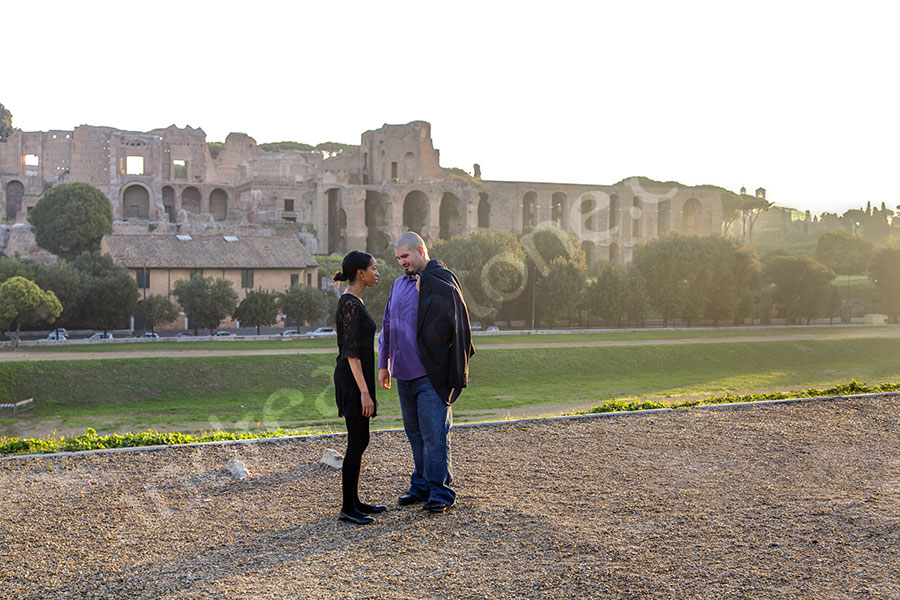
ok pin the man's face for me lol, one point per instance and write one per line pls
(411, 259)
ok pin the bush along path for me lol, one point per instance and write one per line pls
(90, 440)
(844, 389)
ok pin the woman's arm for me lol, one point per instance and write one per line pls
(368, 406)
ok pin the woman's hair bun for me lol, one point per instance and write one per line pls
(339, 276)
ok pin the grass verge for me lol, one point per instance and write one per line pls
(265, 392)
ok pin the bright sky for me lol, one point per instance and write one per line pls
(802, 98)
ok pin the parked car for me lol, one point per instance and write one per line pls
(54, 337)
(224, 334)
(289, 332)
(148, 335)
(475, 326)
(101, 336)
(182, 334)
(323, 332)
(492, 329)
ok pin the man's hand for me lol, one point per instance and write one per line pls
(384, 378)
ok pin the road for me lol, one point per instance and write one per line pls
(842, 334)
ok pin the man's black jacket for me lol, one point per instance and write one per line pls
(443, 334)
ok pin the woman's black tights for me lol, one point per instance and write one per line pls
(357, 442)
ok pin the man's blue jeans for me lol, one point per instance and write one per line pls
(427, 422)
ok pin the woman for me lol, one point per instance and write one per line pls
(354, 377)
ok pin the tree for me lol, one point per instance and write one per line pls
(751, 207)
(110, 292)
(884, 270)
(802, 285)
(156, 310)
(22, 302)
(557, 293)
(111, 300)
(608, 294)
(665, 266)
(302, 304)
(845, 254)
(68, 283)
(70, 219)
(205, 300)
(6, 126)
(491, 267)
(258, 308)
(635, 298)
(61, 278)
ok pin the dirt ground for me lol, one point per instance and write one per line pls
(795, 500)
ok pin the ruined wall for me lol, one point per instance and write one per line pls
(363, 199)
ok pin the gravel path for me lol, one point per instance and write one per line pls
(794, 500)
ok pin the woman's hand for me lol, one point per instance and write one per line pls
(368, 407)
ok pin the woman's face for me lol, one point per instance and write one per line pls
(369, 276)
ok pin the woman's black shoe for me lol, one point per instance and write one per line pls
(358, 519)
(370, 509)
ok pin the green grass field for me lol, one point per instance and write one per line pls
(237, 393)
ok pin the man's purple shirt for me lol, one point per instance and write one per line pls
(397, 341)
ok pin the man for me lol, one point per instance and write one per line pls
(426, 344)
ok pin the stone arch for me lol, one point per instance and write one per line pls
(484, 210)
(218, 204)
(450, 216)
(337, 223)
(690, 216)
(136, 201)
(409, 167)
(377, 239)
(15, 194)
(168, 199)
(560, 210)
(588, 214)
(415, 211)
(190, 200)
(529, 210)
(662, 217)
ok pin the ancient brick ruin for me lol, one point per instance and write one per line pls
(166, 181)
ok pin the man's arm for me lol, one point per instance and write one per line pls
(384, 346)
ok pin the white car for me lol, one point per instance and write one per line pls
(100, 336)
(224, 334)
(323, 332)
(492, 329)
(289, 333)
(53, 337)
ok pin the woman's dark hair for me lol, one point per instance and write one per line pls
(353, 262)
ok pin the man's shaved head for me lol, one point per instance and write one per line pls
(411, 240)
(411, 252)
